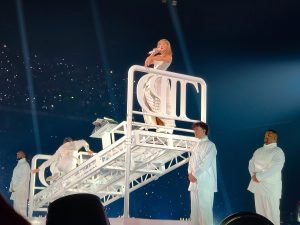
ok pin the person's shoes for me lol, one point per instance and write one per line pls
(170, 142)
(161, 130)
(165, 130)
(147, 129)
(169, 131)
(52, 178)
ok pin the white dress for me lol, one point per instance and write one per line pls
(153, 102)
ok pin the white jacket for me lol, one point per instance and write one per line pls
(202, 165)
(19, 185)
(267, 163)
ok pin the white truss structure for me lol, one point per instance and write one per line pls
(133, 158)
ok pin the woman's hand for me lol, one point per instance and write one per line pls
(192, 179)
(35, 170)
(148, 61)
(90, 152)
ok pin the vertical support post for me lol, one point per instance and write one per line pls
(128, 141)
(203, 101)
(32, 187)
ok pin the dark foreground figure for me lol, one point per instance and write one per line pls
(8, 216)
(246, 218)
(77, 209)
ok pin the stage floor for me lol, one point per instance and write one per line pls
(121, 221)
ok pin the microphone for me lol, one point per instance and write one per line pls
(154, 51)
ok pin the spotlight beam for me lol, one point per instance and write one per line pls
(182, 43)
(25, 51)
(180, 36)
(103, 55)
(188, 65)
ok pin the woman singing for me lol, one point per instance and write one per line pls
(160, 58)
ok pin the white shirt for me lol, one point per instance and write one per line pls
(66, 152)
(202, 165)
(267, 163)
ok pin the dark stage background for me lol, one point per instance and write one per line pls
(79, 53)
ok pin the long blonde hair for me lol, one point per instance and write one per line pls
(169, 49)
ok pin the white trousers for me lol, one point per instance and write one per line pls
(268, 206)
(65, 165)
(20, 205)
(202, 207)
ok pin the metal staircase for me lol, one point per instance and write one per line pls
(132, 157)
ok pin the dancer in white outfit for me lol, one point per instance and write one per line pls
(160, 58)
(265, 169)
(65, 158)
(19, 185)
(203, 177)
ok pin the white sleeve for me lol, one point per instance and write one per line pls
(15, 181)
(81, 143)
(276, 167)
(189, 166)
(207, 161)
(191, 159)
(251, 167)
(20, 177)
(50, 160)
(10, 187)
